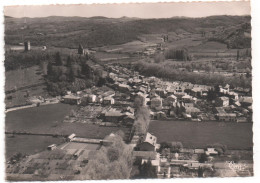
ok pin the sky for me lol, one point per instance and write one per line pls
(141, 10)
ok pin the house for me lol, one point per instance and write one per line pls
(222, 102)
(199, 151)
(224, 90)
(108, 101)
(233, 95)
(148, 144)
(99, 99)
(199, 92)
(113, 116)
(124, 87)
(187, 99)
(188, 104)
(52, 147)
(161, 92)
(193, 111)
(71, 99)
(70, 137)
(156, 103)
(226, 116)
(160, 115)
(128, 109)
(170, 100)
(245, 101)
(242, 120)
(211, 151)
(92, 98)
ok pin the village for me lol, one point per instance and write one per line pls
(98, 115)
(115, 105)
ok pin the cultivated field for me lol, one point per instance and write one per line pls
(200, 134)
(28, 144)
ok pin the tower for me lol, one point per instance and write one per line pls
(27, 46)
(81, 50)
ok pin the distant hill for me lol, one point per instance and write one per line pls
(100, 31)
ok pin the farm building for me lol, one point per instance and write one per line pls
(113, 116)
(222, 102)
(71, 99)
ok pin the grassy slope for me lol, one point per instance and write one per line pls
(100, 31)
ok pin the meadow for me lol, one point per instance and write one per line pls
(201, 134)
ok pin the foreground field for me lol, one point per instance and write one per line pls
(200, 134)
(28, 144)
(49, 119)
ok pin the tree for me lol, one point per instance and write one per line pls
(69, 61)
(71, 76)
(164, 145)
(200, 172)
(176, 146)
(112, 154)
(139, 101)
(58, 60)
(49, 69)
(159, 58)
(147, 170)
(202, 158)
(113, 162)
(237, 54)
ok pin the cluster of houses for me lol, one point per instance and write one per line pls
(172, 164)
(179, 99)
(165, 99)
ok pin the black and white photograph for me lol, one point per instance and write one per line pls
(159, 90)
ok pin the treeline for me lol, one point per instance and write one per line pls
(110, 162)
(104, 31)
(16, 60)
(71, 73)
(142, 116)
(161, 71)
(178, 54)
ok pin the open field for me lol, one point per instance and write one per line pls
(28, 144)
(30, 82)
(200, 134)
(27, 76)
(49, 119)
